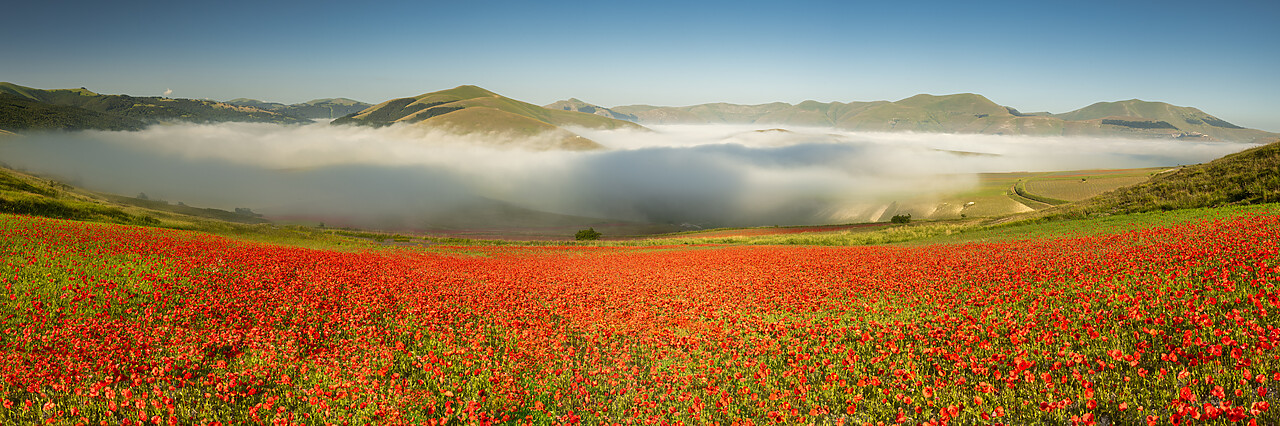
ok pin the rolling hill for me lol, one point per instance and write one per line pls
(313, 109)
(965, 113)
(19, 114)
(254, 103)
(575, 104)
(106, 109)
(469, 109)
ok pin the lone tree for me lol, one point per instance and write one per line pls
(901, 218)
(587, 234)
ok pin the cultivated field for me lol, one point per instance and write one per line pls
(1168, 318)
(1002, 194)
(1079, 185)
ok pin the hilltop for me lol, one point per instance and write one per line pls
(28, 108)
(471, 109)
(965, 113)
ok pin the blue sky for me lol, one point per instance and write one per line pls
(1222, 57)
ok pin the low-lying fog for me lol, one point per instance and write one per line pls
(405, 177)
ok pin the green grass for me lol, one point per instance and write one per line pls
(895, 234)
(1043, 227)
(35, 205)
(952, 232)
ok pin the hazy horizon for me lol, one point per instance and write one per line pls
(1032, 56)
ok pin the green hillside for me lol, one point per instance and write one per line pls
(469, 109)
(965, 113)
(1251, 176)
(18, 114)
(148, 109)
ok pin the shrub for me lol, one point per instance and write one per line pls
(901, 218)
(587, 234)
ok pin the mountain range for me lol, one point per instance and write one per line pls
(961, 113)
(473, 110)
(26, 108)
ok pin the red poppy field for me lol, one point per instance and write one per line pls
(108, 324)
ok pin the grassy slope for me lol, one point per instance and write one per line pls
(1251, 176)
(1246, 181)
(21, 193)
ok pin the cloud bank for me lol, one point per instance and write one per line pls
(409, 177)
